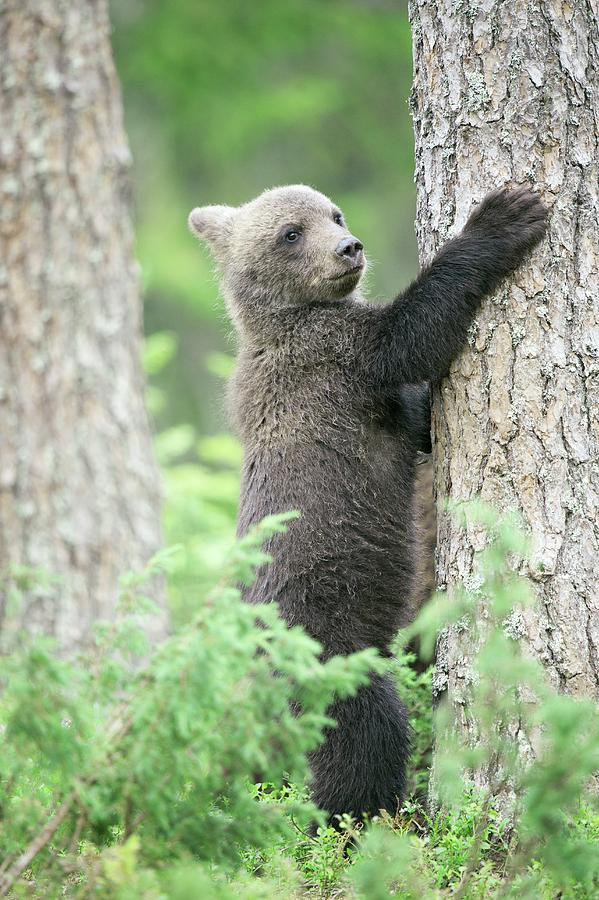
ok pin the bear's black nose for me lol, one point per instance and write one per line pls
(350, 247)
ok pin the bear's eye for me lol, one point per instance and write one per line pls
(337, 218)
(292, 235)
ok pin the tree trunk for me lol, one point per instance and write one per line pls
(506, 91)
(78, 484)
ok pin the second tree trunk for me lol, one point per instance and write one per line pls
(78, 484)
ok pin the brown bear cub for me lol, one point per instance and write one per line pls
(330, 400)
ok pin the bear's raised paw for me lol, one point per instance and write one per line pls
(513, 217)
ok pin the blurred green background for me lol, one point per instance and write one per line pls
(224, 99)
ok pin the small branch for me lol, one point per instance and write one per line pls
(37, 844)
(301, 831)
(77, 833)
(5, 864)
(473, 857)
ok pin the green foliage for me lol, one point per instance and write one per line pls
(318, 860)
(414, 683)
(124, 773)
(303, 69)
(126, 766)
(201, 488)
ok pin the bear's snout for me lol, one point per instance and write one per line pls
(350, 249)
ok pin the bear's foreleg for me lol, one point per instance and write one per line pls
(416, 337)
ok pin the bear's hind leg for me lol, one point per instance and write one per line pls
(361, 767)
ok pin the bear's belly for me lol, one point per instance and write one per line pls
(344, 568)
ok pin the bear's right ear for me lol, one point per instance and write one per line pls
(212, 224)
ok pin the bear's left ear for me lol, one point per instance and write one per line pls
(212, 224)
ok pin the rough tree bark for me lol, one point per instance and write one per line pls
(78, 485)
(507, 91)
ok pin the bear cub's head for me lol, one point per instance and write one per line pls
(288, 247)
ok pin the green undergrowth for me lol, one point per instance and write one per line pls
(180, 772)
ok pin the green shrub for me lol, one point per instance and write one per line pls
(114, 773)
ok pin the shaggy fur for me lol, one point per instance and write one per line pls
(330, 399)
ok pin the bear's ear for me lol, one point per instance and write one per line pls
(212, 224)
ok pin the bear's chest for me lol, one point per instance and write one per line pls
(279, 396)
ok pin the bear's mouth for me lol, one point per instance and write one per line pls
(355, 270)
